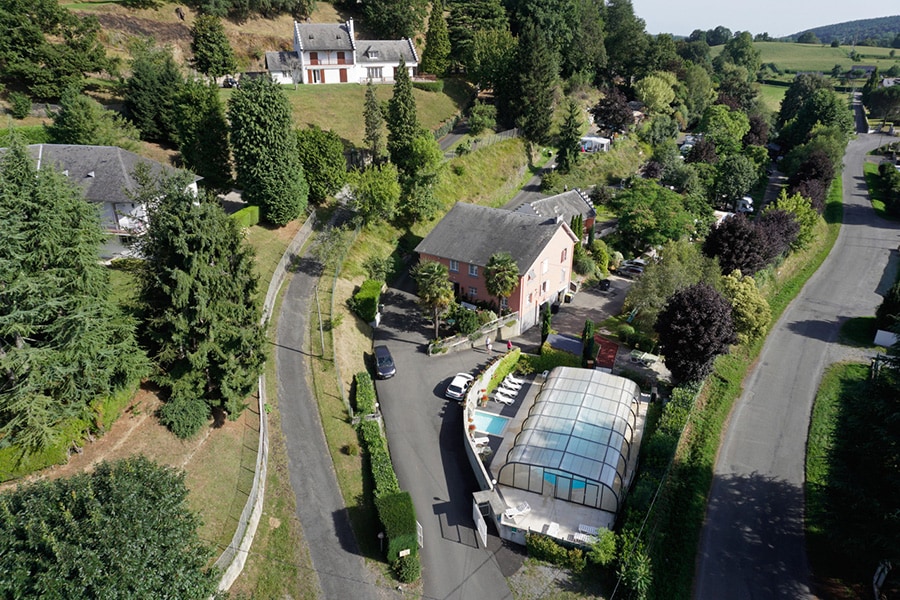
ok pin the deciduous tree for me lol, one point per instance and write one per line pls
(803, 214)
(694, 327)
(203, 311)
(375, 192)
(735, 176)
(395, 19)
(650, 215)
(750, 311)
(739, 244)
(265, 151)
(124, 529)
(724, 127)
(322, 156)
(467, 17)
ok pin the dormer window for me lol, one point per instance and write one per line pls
(372, 53)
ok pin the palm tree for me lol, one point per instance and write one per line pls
(435, 290)
(501, 276)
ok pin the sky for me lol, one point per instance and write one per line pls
(777, 17)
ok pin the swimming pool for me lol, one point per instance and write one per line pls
(486, 422)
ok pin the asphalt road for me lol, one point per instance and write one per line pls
(340, 570)
(425, 437)
(752, 544)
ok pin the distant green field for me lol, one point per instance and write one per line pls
(772, 95)
(339, 107)
(809, 57)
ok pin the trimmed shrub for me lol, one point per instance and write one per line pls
(365, 393)
(379, 459)
(481, 117)
(365, 301)
(246, 217)
(184, 416)
(430, 86)
(398, 516)
(549, 180)
(466, 321)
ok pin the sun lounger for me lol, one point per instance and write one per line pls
(511, 384)
(502, 399)
(482, 441)
(515, 379)
(508, 390)
(588, 529)
(522, 508)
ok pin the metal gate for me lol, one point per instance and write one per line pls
(420, 535)
(480, 523)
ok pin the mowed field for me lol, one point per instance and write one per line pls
(810, 57)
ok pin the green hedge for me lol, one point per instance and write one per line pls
(365, 393)
(430, 86)
(379, 459)
(446, 127)
(365, 301)
(246, 217)
(398, 516)
(506, 366)
(545, 548)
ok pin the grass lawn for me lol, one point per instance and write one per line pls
(772, 95)
(339, 107)
(812, 57)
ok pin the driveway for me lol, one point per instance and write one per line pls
(753, 543)
(425, 435)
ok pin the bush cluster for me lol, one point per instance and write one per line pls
(365, 393)
(365, 301)
(430, 86)
(890, 187)
(246, 217)
(545, 548)
(398, 516)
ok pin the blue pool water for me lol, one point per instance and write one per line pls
(490, 423)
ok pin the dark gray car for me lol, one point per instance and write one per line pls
(384, 363)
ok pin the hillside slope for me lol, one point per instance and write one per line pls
(882, 29)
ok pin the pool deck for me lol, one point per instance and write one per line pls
(558, 518)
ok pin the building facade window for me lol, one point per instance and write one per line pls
(473, 292)
(544, 288)
(564, 255)
(545, 266)
(504, 303)
(373, 72)
(473, 270)
(530, 298)
(454, 266)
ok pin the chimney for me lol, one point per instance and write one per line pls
(350, 27)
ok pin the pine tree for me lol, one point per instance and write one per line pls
(538, 71)
(203, 311)
(374, 122)
(81, 120)
(202, 134)
(265, 151)
(402, 121)
(213, 55)
(436, 56)
(570, 137)
(470, 16)
(63, 343)
(150, 92)
(322, 156)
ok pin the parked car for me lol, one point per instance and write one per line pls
(384, 363)
(630, 271)
(457, 388)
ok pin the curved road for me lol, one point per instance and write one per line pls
(752, 544)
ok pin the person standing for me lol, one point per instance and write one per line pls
(509, 345)
(488, 346)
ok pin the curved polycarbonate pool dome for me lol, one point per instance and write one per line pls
(576, 441)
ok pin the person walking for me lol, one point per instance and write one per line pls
(509, 345)
(488, 346)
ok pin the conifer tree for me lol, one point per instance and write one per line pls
(203, 312)
(374, 122)
(63, 343)
(265, 151)
(202, 134)
(569, 137)
(538, 71)
(402, 121)
(81, 120)
(436, 56)
(151, 90)
(213, 55)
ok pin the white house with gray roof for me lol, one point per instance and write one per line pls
(106, 175)
(330, 53)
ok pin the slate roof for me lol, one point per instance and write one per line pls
(381, 51)
(472, 234)
(104, 172)
(281, 61)
(324, 36)
(568, 204)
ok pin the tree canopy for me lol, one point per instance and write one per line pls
(395, 19)
(402, 121)
(202, 306)
(435, 290)
(570, 137)
(47, 49)
(202, 134)
(501, 276)
(63, 343)
(694, 327)
(82, 121)
(612, 112)
(436, 56)
(151, 92)
(121, 530)
(322, 156)
(265, 151)
(650, 215)
(213, 55)
(375, 192)
(750, 311)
